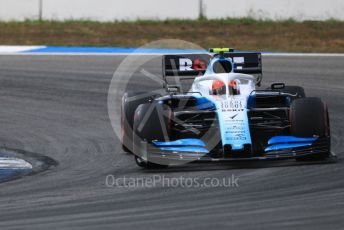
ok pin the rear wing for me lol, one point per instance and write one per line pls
(180, 70)
(177, 68)
(191, 65)
(246, 63)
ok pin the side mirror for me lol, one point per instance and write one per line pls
(277, 86)
(173, 88)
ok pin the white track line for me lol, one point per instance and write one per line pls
(25, 50)
(85, 54)
(14, 163)
(18, 49)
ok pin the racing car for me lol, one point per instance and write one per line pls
(222, 114)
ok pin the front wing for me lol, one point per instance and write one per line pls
(179, 154)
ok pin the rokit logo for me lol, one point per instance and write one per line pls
(186, 64)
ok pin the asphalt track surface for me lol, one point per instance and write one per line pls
(57, 106)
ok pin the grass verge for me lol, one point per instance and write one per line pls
(244, 34)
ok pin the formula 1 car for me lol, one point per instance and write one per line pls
(222, 115)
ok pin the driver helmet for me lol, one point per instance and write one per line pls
(219, 88)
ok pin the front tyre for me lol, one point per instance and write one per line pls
(152, 121)
(309, 118)
(130, 102)
(148, 165)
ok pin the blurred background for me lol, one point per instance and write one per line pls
(265, 25)
(109, 10)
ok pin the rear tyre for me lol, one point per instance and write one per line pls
(309, 118)
(152, 122)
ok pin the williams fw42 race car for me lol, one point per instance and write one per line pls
(212, 110)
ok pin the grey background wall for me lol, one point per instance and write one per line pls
(108, 10)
